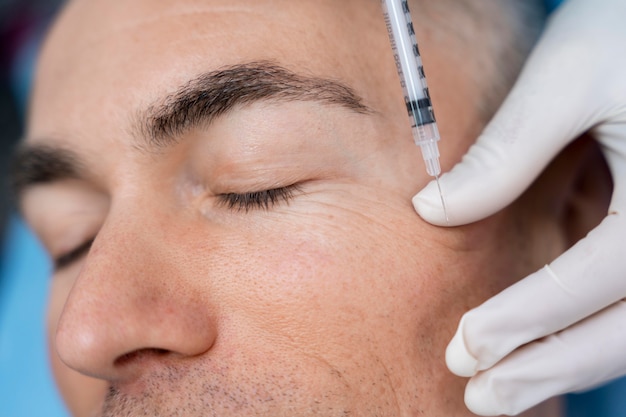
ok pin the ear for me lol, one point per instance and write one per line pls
(586, 201)
(577, 188)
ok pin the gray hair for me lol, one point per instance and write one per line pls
(492, 37)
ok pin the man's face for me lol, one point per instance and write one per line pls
(244, 171)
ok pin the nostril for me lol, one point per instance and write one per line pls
(139, 355)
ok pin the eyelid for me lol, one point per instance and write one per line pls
(264, 200)
(73, 255)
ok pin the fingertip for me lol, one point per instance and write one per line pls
(428, 204)
(458, 359)
(480, 401)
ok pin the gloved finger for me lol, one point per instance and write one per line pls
(612, 137)
(585, 279)
(571, 360)
(554, 100)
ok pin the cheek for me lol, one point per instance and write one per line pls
(82, 395)
(329, 277)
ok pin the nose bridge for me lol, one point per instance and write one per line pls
(132, 295)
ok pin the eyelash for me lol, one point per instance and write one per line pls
(258, 200)
(264, 200)
(73, 255)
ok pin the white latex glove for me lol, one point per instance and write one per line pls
(563, 328)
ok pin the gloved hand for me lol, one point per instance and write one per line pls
(574, 335)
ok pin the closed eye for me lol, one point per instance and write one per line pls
(72, 256)
(263, 200)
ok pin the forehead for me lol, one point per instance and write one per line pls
(120, 51)
(86, 25)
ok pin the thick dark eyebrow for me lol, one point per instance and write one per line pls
(215, 93)
(41, 164)
(197, 103)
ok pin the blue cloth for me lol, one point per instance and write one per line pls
(552, 4)
(26, 385)
(608, 401)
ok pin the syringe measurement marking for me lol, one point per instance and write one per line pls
(412, 76)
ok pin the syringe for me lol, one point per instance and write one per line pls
(413, 81)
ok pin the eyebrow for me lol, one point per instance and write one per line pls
(195, 104)
(41, 164)
(215, 93)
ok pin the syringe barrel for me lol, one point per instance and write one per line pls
(413, 81)
(408, 62)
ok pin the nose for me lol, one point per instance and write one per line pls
(134, 298)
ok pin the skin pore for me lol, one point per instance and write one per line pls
(266, 259)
